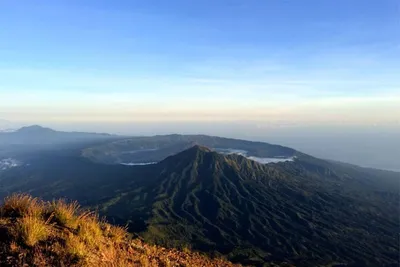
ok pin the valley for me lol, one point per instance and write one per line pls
(209, 194)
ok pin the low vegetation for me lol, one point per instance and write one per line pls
(38, 233)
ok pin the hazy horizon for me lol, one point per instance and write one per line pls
(373, 146)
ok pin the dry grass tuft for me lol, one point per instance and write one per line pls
(76, 248)
(58, 233)
(64, 214)
(90, 232)
(18, 205)
(31, 229)
(117, 233)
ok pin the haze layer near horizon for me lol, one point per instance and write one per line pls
(285, 62)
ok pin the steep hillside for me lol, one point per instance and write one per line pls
(308, 211)
(57, 233)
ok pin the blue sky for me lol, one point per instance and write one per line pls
(321, 62)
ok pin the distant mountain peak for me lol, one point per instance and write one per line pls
(34, 129)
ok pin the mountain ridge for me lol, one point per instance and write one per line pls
(157, 148)
(308, 211)
(238, 207)
(38, 135)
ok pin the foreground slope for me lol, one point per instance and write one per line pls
(37, 233)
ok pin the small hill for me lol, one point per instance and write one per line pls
(35, 129)
(38, 233)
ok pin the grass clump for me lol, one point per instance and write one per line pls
(58, 233)
(64, 214)
(18, 205)
(90, 232)
(76, 248)
(117, 233)
(32, 229)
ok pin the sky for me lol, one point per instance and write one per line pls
(274, 62)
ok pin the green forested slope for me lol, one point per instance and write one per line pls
(309, 212)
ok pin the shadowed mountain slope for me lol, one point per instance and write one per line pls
(309, 212)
